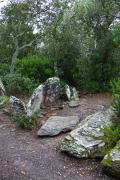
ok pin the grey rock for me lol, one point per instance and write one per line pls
(2, 89)
(57, 124)
(111, 162)
(35, 101)
(52, 90)
(86, 140)
(17, 106)
(73, 103)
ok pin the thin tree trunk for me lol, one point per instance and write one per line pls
(14, 61)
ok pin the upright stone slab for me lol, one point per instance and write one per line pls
(35, 101)
(68, 92)
(52, 90)
(17, 106)
(2, 89)
(86, 140)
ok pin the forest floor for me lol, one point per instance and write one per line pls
(24, 156)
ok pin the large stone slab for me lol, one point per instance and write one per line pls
(86, 140)
(52, 90)
(35, 101)
(57, 124)
(111, 162)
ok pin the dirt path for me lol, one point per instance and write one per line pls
(24, 156)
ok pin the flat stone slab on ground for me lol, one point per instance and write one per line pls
(58, 124)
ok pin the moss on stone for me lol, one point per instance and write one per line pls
(107, 161)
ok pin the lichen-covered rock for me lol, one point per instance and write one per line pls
(17, 106)
(111, 162)
(57, 124)
(52, 90)
(2, 89)
(35, 101)
(86, 140)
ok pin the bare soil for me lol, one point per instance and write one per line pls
(24, 156)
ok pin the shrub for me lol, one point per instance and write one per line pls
(111, 137)
(115, 85)
(36, 68)
(26, 122)
(4, 69)
(16, 84)
(3, 101)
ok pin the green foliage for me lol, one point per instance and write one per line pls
(111, 137)
(3, 101)
(26, 122)
(63, 90)
(4, 69)
(115, 86)
(36, 68)
(17, 84)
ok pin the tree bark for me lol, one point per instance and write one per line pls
(14, 61)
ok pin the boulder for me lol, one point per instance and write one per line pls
(17, 106)
(111, 162)
(35, 101)
(2, 89)
(86, 140)
(57, 124)
(52, 90)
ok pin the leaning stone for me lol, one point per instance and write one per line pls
(57, 124)
(52, 90)
(35, 101)
(17, 106)
(111, 162)
(2, 89)
(73, 103)
(86, 140)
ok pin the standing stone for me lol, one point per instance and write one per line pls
(74, 100)
(57, 124)
(68, 92)
(36, 100)
(52, 90)
(17, 106)
(86, 140)
(2, 89)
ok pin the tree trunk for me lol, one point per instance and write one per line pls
(14, 61)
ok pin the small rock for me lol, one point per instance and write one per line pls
(73, 103)
(17, 106)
